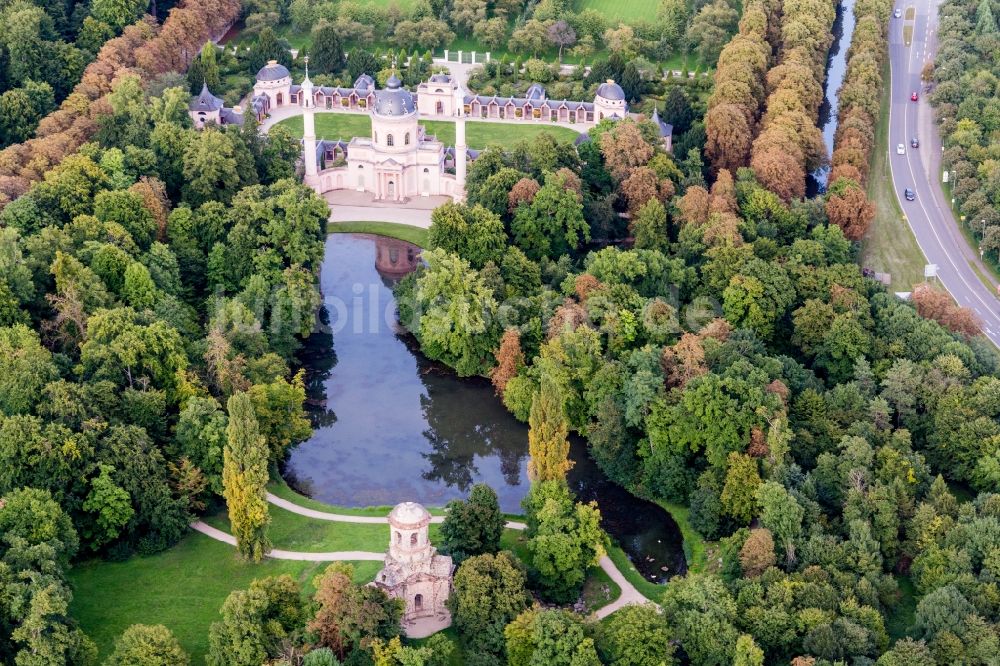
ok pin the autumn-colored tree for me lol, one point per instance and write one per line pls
(757, 554)
(567, 316)
(723, 194)
(349, 613)
(850, 209)
(524, 190)
(684, 361)
(244, 479)
(780, 172)
(728, 137)
(938, 305)
(694, 206)
(639, 187)
(584, 285)
(548, 443)
(510, 359)
(154, 198)
(722, 229)
(624, 148)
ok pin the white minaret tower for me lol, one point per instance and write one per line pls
(309, 130)
(460, 147)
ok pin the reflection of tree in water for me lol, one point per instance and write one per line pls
(318, 357)
(461, 427)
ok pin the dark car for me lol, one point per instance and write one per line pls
(909, 194)
(914, 143)
(913, 96)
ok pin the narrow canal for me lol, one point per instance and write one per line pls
(843, 30)
(390, 425)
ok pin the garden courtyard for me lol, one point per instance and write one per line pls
(478, 135)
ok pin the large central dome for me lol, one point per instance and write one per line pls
(394, 100)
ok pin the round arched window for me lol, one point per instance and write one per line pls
(388, 140)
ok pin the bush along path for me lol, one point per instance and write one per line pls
(629, 594)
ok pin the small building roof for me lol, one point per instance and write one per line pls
(205, 101)
(364, 82)
(666, 129)
(611, 91)
(272, 71)
(441, 78)
(535, 92)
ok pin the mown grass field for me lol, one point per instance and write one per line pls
(622, 10)
(478, 135)
(182, 588)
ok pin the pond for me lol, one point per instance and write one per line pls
(391, 425)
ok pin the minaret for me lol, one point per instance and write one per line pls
(309, 129)
(460, 148)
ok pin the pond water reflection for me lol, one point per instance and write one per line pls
(390, 425)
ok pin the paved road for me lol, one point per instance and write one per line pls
(930, 216)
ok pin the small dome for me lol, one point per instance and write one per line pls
(394, 100)
(440, 78)
(611, 90)
(535, 92)
(272, 71)
(409, 515)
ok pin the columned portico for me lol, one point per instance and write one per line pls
(389, 184)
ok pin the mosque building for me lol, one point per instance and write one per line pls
(400, 160)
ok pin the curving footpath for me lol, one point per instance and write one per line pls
(629, 595)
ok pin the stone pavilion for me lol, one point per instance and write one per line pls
(415, 573)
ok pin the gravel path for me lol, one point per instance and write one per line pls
(629, 594)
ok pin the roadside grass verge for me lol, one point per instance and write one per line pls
(889, 246)
(182, 588)
(404, 232)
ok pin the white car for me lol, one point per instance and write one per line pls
(898, 13)
(900, 149)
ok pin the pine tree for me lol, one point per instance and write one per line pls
(204, 70)
(327, 56)
(244, 479)
(548, 445)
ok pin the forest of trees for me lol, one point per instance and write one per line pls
(151, 276)
(528, 29)
(966, 98)
(735, 361)
(145, 49)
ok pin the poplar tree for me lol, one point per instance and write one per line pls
(548, 445)
(244, 479)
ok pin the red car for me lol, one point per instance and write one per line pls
(913, 97)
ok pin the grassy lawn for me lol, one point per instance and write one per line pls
(651, 591)
(182, 588)
(889, 245)
(291, 531)
(616, 10)
(599, 590)
(478, 135)
(282, 490)
(694, 545)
